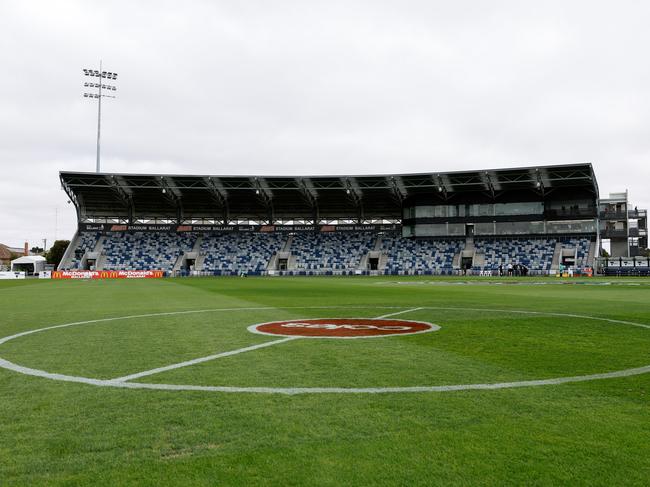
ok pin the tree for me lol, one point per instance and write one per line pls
(55, 254)
(36, 250)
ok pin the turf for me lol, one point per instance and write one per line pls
(587, 433)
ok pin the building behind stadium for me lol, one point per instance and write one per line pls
(533, 221)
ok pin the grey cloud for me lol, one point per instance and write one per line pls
(317, 87)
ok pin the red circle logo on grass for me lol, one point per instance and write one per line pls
(343, 327)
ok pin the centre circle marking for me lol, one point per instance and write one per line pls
(6, 364)
(345, 328)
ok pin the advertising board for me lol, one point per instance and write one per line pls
(107, 274)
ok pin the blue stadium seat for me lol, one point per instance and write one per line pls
(340, 252)
(234, 253)
(145, 251)
(407, 256)
(534, 253)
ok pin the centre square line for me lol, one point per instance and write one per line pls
(200, 360)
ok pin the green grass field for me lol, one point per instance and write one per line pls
(588, 432)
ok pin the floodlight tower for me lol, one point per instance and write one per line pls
(102, 75)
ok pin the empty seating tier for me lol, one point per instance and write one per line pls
(535, 254)
(236, 253)
(407, 256)
(325, 253)
(331, 251)
(146, 251)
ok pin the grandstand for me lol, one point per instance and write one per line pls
(430, 224)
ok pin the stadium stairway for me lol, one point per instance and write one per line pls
(557, 253)
(287, 244)
(375, 253)
(284, 253)
(456, 261)
(273, 262)
(82, 247)
(377, 243)
(97, 254)
(199, 263)
(363, 263)
(383, 262)
(479, 259)
(193, 254)
(469, 252)
(591, 255)
(66, 260)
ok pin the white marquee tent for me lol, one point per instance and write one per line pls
(31, 264)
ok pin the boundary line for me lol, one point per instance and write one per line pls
(326, 390)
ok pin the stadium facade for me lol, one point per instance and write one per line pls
(533, 220)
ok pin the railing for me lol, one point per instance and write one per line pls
(613, 215)
(608, 233)
(569, 213)
(637, 214)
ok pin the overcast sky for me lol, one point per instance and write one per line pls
(282, 87)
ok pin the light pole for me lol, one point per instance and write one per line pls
(102, 75)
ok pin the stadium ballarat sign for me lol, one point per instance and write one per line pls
(168, 228)
(343, 328)
(107, 274)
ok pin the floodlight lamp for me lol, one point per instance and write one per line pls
(347, 191)
(439, 189)
(538, 184)
(164, 190)
(257, 191)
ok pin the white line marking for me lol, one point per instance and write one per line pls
(193, 311)
(252, 329)
(323, 390)
(397, 313)
(202, 359)
(327, 390)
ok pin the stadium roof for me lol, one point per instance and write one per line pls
(184, 198)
